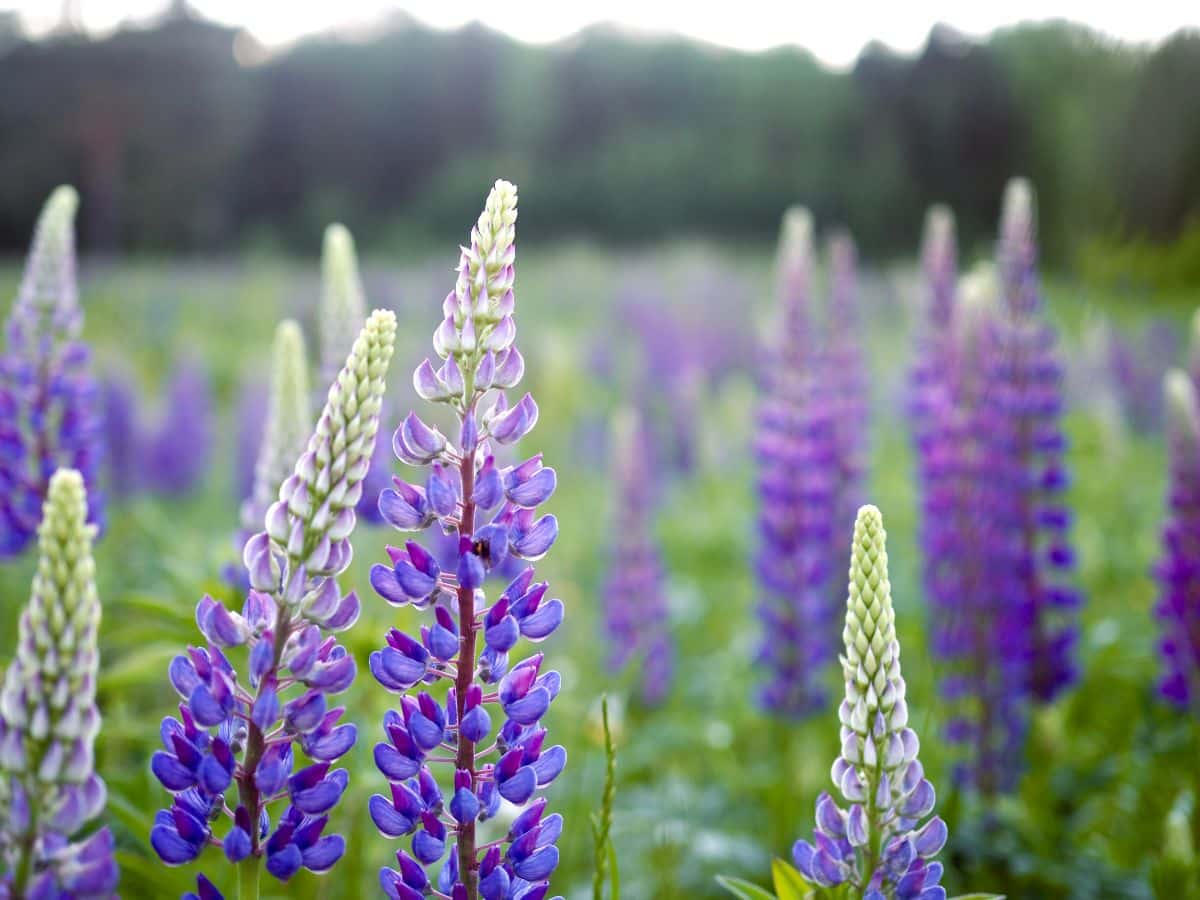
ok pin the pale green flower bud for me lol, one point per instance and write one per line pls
(343, 302)
(1183, 408)
(289, 422)
(49, 291)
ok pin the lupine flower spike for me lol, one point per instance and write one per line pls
(796, 482)
(343, 309)
(635, 602)
(882, 845)
(288, 423)
(179, 448)
(49, 791)
(230, 754)
(1179, 569)
(48, 397)
(487, 736)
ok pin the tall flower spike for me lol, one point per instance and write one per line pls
(797, 481)
(882, 845)
(1029, 410)
(48, 398)
(288, 422)
(486, 737)
(635, 602)
(1178, 570)
(48, 718)
(241, 738)
(343, 309)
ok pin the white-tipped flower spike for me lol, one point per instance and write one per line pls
(878, 844)
(48, 399)
(289, 422)
(343, 303)
(794, 267)
(308, 528)
(48, 716)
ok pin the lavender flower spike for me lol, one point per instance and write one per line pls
(797, 481)
(289, 421)
(1179, 569)
(882, 846)
(48, 718)
(245, 736)
(635, 603)
(48, 397)
(492, 512)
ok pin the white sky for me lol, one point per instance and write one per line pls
(835, 31)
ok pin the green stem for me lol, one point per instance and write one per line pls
(248, 870)
(602, 826)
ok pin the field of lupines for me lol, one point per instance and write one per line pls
(313, 657)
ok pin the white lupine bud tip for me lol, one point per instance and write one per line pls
(1183, 412)
(1017, 217)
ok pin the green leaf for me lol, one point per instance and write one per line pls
(744, 890)
(789, 884)
(147, 664)
(978, 897)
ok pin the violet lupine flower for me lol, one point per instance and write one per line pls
(246, 735)
(123, 433)
(635, 602)
(48, 398)
(1029, 403)
(343, 309)
(1178, 571)
(883, 846)
(487, 733)
(179, 449)
(49, 791)
(795, 451)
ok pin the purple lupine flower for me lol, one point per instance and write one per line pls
(797, 483)
(1029, 399)
(178, 449)
(1178, 570)
(844, 376)
(48, 398)
(49, 790)
(246, 735)
(883, 844)
(123, 433)
(635, 602)
(487, 734)
(997, 555)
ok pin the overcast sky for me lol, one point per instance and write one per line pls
(835, 31)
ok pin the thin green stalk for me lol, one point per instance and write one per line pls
(602, 824)
(248, 870)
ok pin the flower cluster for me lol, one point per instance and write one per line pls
(1179, 569)
(635, 603)
(987, 409)
(243, 735)
(49, 721)
(797, 481)
(343, 310)
(48, 397)
(491, 509)
(883, 846)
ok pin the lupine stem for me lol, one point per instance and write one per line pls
(468, 865)
(248, 871)
(602, 826)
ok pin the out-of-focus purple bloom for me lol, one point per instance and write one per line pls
(490, 719)
(49, 401)
(635, 602)
(48, 719)
(123, 433)
(178, 449)
(1178, 570)
(247, 734)
(797, 482)
(987, 412)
